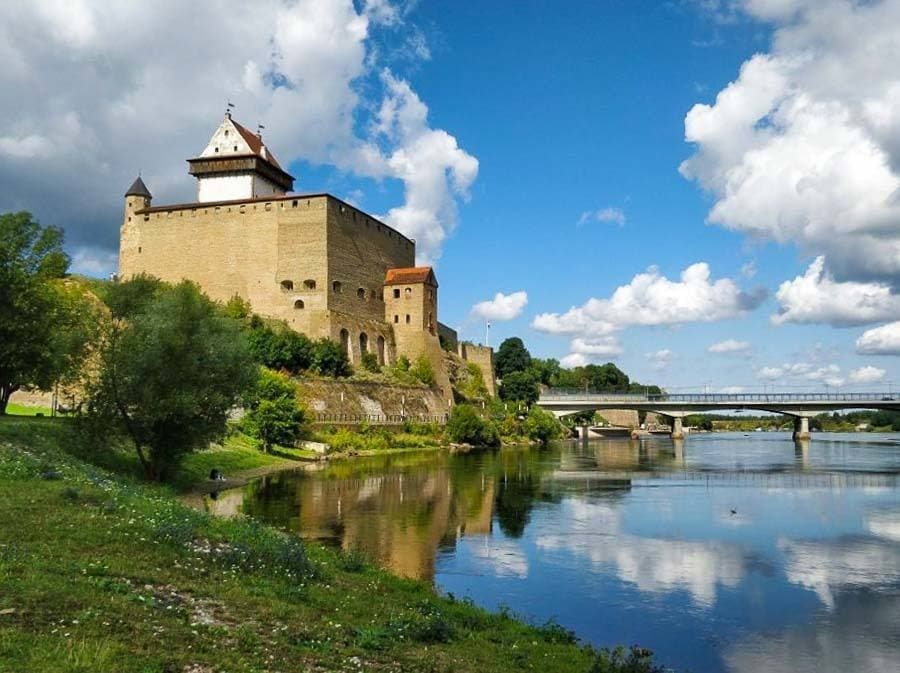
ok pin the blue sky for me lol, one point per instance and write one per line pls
(535, 146)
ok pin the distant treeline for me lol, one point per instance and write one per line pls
(873, 420)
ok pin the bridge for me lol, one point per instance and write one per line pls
(800, 406)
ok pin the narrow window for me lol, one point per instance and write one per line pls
(336, 286)
(361, 292)
(408, 292)
(396, 293)
(396, 318)
(407, 318)
(299, 304)
(345, 343)
(363, 343)
(287, 285)
(309, 284)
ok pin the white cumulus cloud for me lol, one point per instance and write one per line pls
(802, 371)
(815, 297)
(652, 299)
(884, 340)
(309, 70)
(729, 346)
(804, 145)
(867, 374)
(501, 307)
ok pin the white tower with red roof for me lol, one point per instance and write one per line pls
(237, 165)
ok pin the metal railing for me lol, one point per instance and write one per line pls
(381, 419)
(563, 395)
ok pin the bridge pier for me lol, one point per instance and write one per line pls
(677, 428)
(801, 428)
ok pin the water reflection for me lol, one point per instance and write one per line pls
(722, 552)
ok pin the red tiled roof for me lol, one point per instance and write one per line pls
(410, 276)
(256, 144)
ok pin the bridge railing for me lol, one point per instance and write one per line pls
(566, 394)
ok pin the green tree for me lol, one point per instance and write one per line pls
(512, 356)
(131, 297)
(519, 387)
(280, 348)
(43, 335)
(542, 426)
(329, 359)
(273, 414)
(466, 426)
(606, 378)
(545, 371)
(169, 375)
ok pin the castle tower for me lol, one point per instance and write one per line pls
(410, 300)
(237, 165)
(137, 198)
(410, 307)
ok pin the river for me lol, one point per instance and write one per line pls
(725, 552)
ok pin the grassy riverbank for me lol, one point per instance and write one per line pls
(101, 573)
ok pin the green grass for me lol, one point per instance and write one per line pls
(23, 410)
(238, 453)
(101, 573)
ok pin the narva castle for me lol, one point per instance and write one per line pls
(324, 267)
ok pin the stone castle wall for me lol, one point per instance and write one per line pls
(282, 255)
(483, 356)
(313, 261)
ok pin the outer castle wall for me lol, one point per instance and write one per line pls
(483, 356)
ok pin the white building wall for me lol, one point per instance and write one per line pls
(226, 141)
(224, 187)
(262, 187)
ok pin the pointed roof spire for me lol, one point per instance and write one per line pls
(138, 188)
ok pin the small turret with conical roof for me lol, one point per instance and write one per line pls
(138, 188)
(137, 197)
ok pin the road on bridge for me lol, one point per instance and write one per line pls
(800, 406)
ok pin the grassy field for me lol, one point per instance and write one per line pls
(22, 410)
(100, 573)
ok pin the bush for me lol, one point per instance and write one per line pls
(329, 359)
(423, 371)
(273, 414)
(466, 426)
(541, 425)
(370, 362)
(345, 441)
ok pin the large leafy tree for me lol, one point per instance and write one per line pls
(172, 367)
(44, 325)
(519, 387)
(512, 356)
